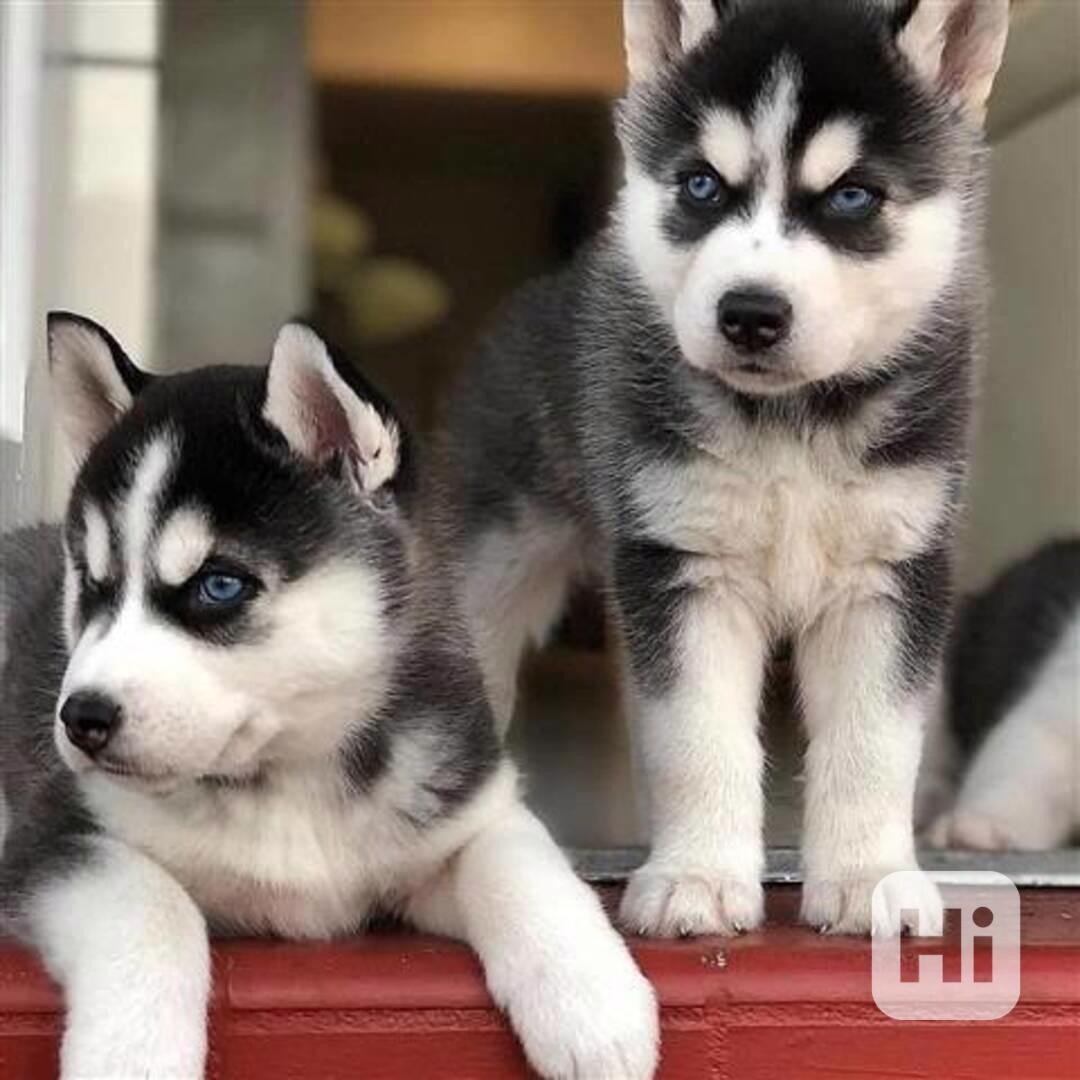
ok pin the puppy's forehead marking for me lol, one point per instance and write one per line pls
(140, 504)
(183, 544)
(831, 151)
(71, 600)
(97, 544)
(727, 145)
(773, 121)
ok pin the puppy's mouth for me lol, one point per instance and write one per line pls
(755, 377)
(132, 775)
(753, 367)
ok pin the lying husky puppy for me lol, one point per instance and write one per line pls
(1010, 726)
(234, 695)
(745, 406)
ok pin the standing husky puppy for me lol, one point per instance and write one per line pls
(234, 694)
(746, 405)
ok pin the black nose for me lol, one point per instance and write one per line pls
(753, 319)
(91, 721)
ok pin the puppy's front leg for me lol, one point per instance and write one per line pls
(697, 660)
(129, 947)
(865, 694)
(552, 960)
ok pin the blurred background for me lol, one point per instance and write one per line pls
(193, 172)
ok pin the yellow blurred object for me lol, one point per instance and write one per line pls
(340, 235)
(388, 298)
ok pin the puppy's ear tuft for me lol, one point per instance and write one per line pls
(94, 382)
(956, 46)
(658, 33)
(323, 418)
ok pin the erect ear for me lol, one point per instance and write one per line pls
(956, 46)
(323, 418)
(659, 32)
(94, 382)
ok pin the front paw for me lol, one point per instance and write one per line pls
(845, 904)
(593, 1021)
(670, 902)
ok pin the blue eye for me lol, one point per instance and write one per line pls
(703, 187)
(216, 588)
(851, 201)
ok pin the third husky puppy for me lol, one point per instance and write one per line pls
(1010, 725)
(235, 694)
(746, 406)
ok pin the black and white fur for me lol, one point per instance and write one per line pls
(320, 751)
(805, 491)
(1006, 752)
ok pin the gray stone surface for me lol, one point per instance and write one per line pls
(10, 461)
(232, 228)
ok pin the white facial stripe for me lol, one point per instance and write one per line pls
(71, 599)
(182, 546)
(774, 118)
(139, 511)
(93, 664)
(830, 153)
(98, 553)
(727, 145)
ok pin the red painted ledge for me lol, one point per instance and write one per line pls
(781, 1003)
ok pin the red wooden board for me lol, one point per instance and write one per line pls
(783, 1003)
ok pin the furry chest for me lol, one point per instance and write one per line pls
(788, 534)
(301, 862)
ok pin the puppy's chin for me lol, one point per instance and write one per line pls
(747, 374)
(773, 377)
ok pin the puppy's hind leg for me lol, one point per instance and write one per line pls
(552, 960)
(517, 580)
(1021, 791)
(130, 949)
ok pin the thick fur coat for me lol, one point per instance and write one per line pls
(745, 409)
(236, 696)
